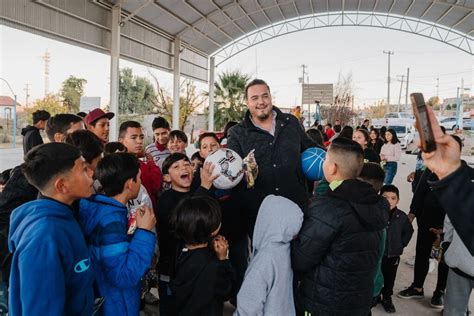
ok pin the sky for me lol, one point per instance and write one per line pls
(327, 52)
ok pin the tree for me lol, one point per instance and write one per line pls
(341, 109)
(50, 103)
(229, 95)
(189, 101)
(71, 91)
(136, 94)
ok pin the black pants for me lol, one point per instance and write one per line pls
(424, 243)
(389, 271)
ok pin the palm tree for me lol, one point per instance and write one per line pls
(229, 98)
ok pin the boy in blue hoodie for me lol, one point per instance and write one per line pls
(120, 259)
(267, 287)
(50, 270)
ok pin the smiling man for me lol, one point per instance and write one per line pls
(278, 140)
(97, 121)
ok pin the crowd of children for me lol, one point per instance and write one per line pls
(86, 220)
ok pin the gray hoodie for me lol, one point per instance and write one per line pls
(457, 255)
(267, 288)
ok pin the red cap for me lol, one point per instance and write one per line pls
(96, 114)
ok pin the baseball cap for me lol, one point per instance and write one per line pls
(96, 114)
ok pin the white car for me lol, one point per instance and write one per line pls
(406, 134)
(449, 123)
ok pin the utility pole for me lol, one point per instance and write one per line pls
(406, 93)
(302, 85)
(46, 57)
(400, 95)
(27, 90)
(388, 80)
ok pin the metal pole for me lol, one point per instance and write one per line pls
(400, 95)
(212, 68)
(176, 72)
(406, 93)
(114, 71)
(14, 122)
(388, 80)
(457, 106)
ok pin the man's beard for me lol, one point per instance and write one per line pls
(263, 116)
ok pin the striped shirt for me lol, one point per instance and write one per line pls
(159, 156)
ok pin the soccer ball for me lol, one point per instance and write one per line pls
(312, 163)
(229, 165)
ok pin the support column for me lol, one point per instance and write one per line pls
(114, 72)
(176, 75)
(212, 68)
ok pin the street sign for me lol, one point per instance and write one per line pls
(321, 92)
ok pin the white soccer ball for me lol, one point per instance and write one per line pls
(229, 165)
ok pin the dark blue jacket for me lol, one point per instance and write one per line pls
(51, 273)
(119, 260)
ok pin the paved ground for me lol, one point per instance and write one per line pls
(11, 157)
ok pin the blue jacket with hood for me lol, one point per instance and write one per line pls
(50, 272)
(119, 260)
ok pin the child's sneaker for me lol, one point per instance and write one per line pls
(411, 292)
(388, 305)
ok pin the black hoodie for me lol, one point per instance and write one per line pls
(31, 138)
(336, 252)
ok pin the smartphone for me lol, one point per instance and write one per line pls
(423, 124)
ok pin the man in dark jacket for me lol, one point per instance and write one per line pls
(31, 133)
(337, 249)
(278, 140)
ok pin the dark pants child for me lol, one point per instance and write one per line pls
(389, 271)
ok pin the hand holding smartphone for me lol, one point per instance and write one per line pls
(423, 124)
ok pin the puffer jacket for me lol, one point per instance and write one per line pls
(119, 260)
(337, 249)
(278, 159)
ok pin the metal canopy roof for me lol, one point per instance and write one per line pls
(212, 25)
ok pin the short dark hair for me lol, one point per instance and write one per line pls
(45, 162)
(195, 218)
(207, 134)
(178, 134)
(394, 136)
(197, 155)
(349, 156)
(40, 115)
(87, 142)
(160, 122)
(337, 128)
(113, 147)
(255, 82)
(373, 174)
(116, 169)
(390, 188)
(60, 123)
(329, 124)
(171, 159)
(126, 125)
(82, 114)
(458, 140)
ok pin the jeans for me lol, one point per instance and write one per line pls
(390, 172)
(167, 307)
(457, 294)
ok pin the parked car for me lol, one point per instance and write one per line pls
(449, 123)
(406, 134)
(394, 118)
(468, 124)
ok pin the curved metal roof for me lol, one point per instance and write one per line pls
(212, 25)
